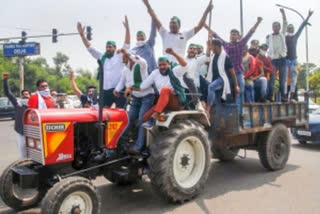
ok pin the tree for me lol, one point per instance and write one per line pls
(61, 63)
(302, 75)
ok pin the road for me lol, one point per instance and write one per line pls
(242, 186)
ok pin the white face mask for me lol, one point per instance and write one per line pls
(262, 52)
(45, 92)
(23, 102)
(141, 43)
(290, 34)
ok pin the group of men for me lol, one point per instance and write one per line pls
(174, 82)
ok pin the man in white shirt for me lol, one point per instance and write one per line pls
(136, 70)
(278, 52)
(166, 79)
(175, 39)
(112, 65)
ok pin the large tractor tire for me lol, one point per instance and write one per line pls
(72, 195)
(13, 195)
(180, 161)
(224, 155)
(274, 147)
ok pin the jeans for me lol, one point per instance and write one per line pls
(109, 99)
(260, 88)
(280, 64)
(213, 87)
(240, 80)
(270, 89)
(138, 108)
(292, 70)
(249, 94)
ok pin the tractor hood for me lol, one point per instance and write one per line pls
(80, 115)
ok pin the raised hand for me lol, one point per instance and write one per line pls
(310, 13)
(71, 75)
(210, 7)
(259, 19)
(282, 11)
(146, 2)
(169, 51)
(126, 22)
(80, 28)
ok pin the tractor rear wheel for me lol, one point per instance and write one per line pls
(13, 195)
(180, 161)
(72, 195)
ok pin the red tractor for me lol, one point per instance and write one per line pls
(67, 148)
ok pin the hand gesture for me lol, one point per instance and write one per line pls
(80, 28)
(146, 2)
(310, 13)
(5, 76)
(169, 51)
(259, 19)
(210, 7)
(126, 22)
(116, 93)
(282, 11)
(71, 75)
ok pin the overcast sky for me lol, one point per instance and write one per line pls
(106, 16)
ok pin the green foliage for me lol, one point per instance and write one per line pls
(302, 75)
(34, 69)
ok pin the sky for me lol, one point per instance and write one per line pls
(106, 16)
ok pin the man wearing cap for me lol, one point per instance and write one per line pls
(175, 39)
(234, 49)
(112, 65)
(145, 48)
(166, 79)
(135, 72)
(291, 41)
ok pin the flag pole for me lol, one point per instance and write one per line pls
(210, 20)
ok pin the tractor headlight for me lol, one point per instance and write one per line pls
(39, 145)
(30, 143)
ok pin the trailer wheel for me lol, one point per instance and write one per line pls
(72, 195)
(180, 161)
(274, 147)
(13, 195)
(224, 155)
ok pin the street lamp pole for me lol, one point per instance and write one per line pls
(241, 17)
(307, 42)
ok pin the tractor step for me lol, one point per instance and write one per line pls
(25, 177)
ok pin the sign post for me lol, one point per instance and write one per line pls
(21, 50)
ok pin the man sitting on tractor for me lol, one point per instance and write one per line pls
(42, 99)
(135, 72)
(166, 80)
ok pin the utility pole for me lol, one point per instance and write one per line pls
(21, 72)
(241, 18)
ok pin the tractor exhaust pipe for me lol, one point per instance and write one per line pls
(100, 124)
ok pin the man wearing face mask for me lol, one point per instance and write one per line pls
(42, 98)
(175, 39)
(112, 65)
(145, 48)
(86, 100)
(291, 41)
(20, 106)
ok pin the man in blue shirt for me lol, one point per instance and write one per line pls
(145, 48)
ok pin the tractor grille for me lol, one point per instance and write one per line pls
(33, 132)
(34, 154)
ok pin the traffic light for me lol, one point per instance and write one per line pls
(89, 34)
(54, 35)
(23, 37)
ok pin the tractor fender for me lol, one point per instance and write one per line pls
(168, 118)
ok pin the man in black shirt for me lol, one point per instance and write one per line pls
(86, 100)
(219, 69)
(291, 41)
(20, 106)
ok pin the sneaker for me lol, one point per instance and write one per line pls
(149, 124)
